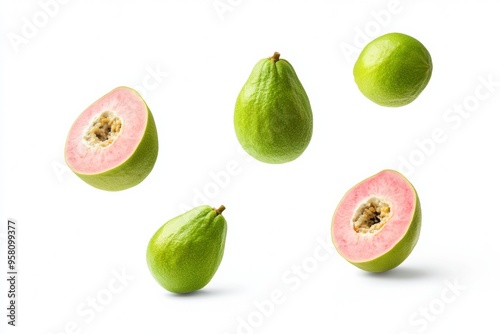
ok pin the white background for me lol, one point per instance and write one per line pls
(74, 240)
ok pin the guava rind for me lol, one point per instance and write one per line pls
(133, 170)
(393, 69)
(185, 253)
(273, 119)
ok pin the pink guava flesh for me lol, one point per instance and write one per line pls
(129, 107)
(393, 189)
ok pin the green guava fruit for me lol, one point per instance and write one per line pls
(113, 144)
(377, 223)
(272, 117)
(184, 254)
(393, 69)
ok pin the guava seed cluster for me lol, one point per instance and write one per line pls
(371, 216)
(103, 130)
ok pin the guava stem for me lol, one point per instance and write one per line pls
(220, 209)
(275, 56)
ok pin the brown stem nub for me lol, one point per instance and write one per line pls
(275, 56)
(220, 209)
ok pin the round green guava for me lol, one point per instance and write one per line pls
(393, 69)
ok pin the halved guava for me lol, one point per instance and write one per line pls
(377, 223)
(113, 144)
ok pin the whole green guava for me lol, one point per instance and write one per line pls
(184, 254)
(273, 119)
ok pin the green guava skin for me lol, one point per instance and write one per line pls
(400, 251)
(135, 169)
(273, 119)
(185, 253)
(393, 69)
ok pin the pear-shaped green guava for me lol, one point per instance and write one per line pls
(273, 119)
(184, 254)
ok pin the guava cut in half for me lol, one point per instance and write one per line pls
(113, 144)
(377, 223)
